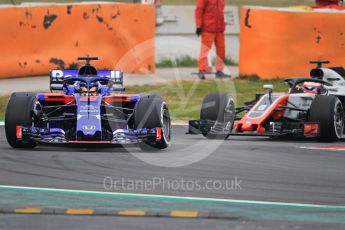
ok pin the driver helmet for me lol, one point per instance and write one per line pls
(93, 89)
(312, 87)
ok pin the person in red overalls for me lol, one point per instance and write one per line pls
(333, 4)
(210, 24)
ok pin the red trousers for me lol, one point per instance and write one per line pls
(207, 40)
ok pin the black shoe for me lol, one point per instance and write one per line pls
(201, 75)
(221, 75)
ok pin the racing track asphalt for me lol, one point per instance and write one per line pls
(269, 170)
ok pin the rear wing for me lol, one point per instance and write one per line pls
(58, 76)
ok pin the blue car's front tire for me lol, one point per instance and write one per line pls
(19, 113)
(152, 112)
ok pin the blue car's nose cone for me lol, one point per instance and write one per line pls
(89, 115)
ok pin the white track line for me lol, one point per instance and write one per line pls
(167, 197)
(322, 148)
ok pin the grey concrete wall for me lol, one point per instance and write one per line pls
(175, 33)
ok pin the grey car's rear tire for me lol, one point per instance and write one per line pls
(19, 113)
(328, 111)
(152, 112)
(217, 113)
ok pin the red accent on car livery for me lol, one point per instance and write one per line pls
(117, 98)
(255, 124)
(54, 97)
(88, 98)
(311, 129)
(89, 142)
(19, 133)
(158, 134)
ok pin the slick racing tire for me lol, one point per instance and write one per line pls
(328, 111)
(152, 112)
(217, 115)
(19, 113)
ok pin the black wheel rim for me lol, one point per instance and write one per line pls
(229, 112)
(166, 124)
(339, 119)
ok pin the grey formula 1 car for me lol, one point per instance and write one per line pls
(313, 107)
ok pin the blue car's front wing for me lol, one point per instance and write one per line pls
(57, 136)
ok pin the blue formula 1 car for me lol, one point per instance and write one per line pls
(91, 109)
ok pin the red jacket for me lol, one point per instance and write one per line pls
(209, 15)
(320, 3)
(331, 4)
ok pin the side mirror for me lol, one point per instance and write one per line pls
(268, 88)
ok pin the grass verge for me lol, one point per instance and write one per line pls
(184, 98)
(3, 103)
(187, 61)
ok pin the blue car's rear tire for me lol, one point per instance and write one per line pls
(152, 112)
(19, 113)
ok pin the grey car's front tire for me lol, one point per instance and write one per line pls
(328, 111)
(217, 115)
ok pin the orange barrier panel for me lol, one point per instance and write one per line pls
(35, 39)
(277, 43)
